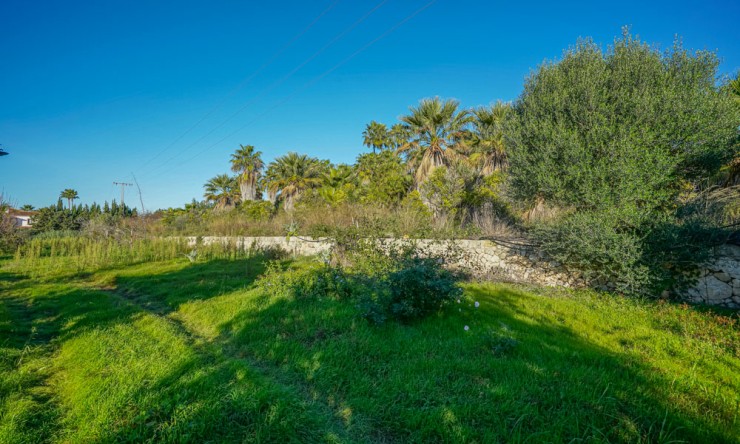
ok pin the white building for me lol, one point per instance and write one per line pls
(20, 218)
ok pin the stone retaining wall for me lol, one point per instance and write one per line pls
(719, 279)
(719, 282)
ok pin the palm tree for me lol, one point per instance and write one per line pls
(337, 184)
(338, 176)
(70, 195)
(398, 136)
(487, 138)
(247, 163)
(438, 132)
(221, 190)
(288, 176)
(375, 136)
(27, 207)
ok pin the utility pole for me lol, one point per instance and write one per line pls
(122, 184)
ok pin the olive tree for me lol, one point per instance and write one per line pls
(615, 137)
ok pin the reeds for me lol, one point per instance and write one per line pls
(77, 254)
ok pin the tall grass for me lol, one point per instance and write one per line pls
(78, 254)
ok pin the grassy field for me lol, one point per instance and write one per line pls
(173, 351)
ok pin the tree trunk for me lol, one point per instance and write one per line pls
(248, 190)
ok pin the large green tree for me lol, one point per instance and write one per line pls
(383, 178)
(222, 190)
(248, 165)
(627, 127)
(288, 176)
(70, 195)
(614, 137)
(438, 129)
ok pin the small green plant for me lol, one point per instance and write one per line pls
(419, 287)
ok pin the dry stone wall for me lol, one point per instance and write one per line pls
(718, 284)
(719, 279)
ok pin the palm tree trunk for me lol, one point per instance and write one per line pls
(244, 191)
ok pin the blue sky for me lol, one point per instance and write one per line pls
(92, 92)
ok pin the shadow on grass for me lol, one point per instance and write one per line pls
(516, 379)
(164, 293)
(308, 370)
(37, 319)
(432, 381)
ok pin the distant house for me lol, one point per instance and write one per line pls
(20, 218)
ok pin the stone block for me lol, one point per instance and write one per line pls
(722, 276)
(715, 290)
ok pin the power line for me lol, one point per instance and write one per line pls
(245, 81)
(123, 185)
(276, 83)
(309, 84)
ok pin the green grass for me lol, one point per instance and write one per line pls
(177, 352)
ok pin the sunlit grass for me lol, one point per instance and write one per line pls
(179, 352)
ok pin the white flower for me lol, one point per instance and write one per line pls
(458, 301)
(477, 304)
(467, 328)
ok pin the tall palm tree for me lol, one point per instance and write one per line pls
(70, 195)
(487, 138)
(221, 190)
(375, 136)
(398, 136)
(247, 163)
(438, 130)
(288, 176)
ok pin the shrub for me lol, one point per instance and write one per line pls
(617, 137)
(595, 244)
(311, 281)
(392, 282)
(419, 287)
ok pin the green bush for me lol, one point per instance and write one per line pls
(420, 287)
(595, 245)
(616, 138)
(396, 283)
(392, 283)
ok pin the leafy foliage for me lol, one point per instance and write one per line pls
(487, 138)
(287, 177)
(615, 137)
(222, 190)
(437, 129)
(247, 163)
(623, 128)
(420, 286)
(70, 195)
(383, 178)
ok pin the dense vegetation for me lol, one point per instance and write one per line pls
(621, 139)
(238, 346)
(622, 164)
